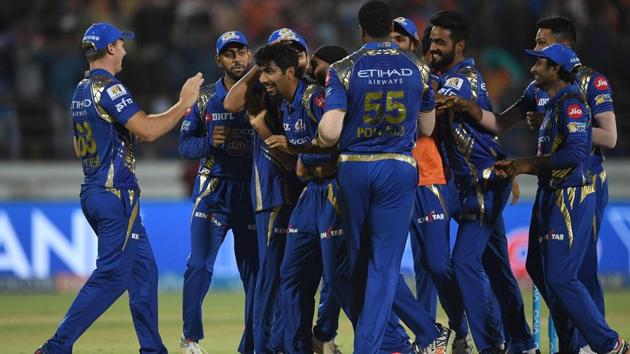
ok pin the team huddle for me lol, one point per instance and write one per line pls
(324, 164)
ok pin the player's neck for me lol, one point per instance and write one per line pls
(555, 87)
(368, 39)
(228, 82)
(458, 59)
(291, 89)
(103, 65)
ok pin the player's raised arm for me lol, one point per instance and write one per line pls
(152, 126)
(238, 95)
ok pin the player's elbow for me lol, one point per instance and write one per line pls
(230, 105)
(610, 142)
(147, 137)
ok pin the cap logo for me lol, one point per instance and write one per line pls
(91, 38)
(401, 20)
(287, 34)
(228, 35)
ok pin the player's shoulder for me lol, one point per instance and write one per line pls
(343, 67)
(101, 82)
(313, 97)
(206, 93)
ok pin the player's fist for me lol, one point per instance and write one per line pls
(279, 142)
(190, 91)
(534, 120)
(219, 135)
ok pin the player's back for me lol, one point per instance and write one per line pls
(383, 88)
(101, 106)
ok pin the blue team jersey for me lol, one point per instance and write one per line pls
(101, 107)
(271, 184)
(470, 148)
(594, 88)
(565, 136)
(233, 159)
(301, 117)
(382, 88)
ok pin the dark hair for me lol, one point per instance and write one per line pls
(90, 51)
(330, 53)
(281, 54)
(561, 27)
(563, 74)
(426, 40)
(454, 21)
(375, 18)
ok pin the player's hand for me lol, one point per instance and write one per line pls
(190, 91)
(219, 135)
(503, 168)
(279, 142)
(534, 120)
(511, 168)
(451, 102)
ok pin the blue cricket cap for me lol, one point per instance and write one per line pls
(287, 34)
(230, 37)
(408, 26)
(99, 35)
(559, 54)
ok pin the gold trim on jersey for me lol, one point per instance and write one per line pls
(586, 190)
(109, 182)
(209, 188)
(272, 220)
(434, 189)
(258, 206)
(565, 214)
(377, 157)
(98, 83)
(132, 219)
(332, 198)
(306, 101)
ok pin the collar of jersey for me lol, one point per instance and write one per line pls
(465, 62)
(567, 89)
(379, 45)
(220, 89)
(100, 72)
(297, 98)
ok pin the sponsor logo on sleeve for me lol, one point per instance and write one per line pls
(454, 82)
(123, 103)
(116, 91)
(601, 84)
(576, 127)
(185, 125)
(603, 98)
(574, 111)
(319, 101)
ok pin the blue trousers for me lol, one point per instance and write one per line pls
(430, 242)
(271, 226)
(125, 263)
(560, 234)
(222, 205)
(481, 264)
(328, 312)
(588, 273)
(316, 245)
(376, 195)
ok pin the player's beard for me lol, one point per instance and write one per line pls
(445, 60)
(235, 76)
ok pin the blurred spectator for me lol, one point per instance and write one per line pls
(40, 59)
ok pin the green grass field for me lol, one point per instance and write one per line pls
(27, 320)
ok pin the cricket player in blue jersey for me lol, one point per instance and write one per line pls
(301, 268)
(275, 189)
(379, 90)
(106, 123)
(597, 92)
(565, 203)
(480, 257)
(430, 224)
(224, 143)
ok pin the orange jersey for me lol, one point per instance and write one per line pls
(430, 168)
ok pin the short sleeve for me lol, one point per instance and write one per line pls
(599, 94)
(456, 85)
(117, 101)
(336, 95)
(318, 102)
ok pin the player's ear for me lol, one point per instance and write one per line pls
(217, 58)
(291, 70)
(460, 46)
(110, 48)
